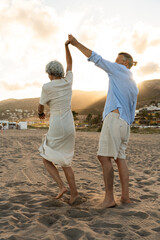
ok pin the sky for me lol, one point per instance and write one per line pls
(33, 33)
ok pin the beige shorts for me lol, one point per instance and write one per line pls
(114, 137)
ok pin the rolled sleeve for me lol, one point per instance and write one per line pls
(93, 57)
(44, 96)
(100, 62)
(69, 76)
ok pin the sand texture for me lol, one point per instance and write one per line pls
(29, 210)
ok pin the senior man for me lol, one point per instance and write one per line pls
(118, 115)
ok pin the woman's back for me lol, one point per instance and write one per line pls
(57, 94)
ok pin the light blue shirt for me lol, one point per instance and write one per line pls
(122, 92)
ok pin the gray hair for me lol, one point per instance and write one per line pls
(128, 57)
(55, 68)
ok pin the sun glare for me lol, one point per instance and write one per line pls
(34, 33)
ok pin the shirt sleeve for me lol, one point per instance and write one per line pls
(44, 99)
(69, 76)
(106, 65)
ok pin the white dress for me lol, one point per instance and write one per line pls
(58, 144)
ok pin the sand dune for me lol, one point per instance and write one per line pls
(29, 211)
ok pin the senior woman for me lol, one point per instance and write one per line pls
(58, 144)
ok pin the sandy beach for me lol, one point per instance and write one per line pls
(29, 210)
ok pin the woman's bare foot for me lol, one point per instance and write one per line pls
(72, 200)
(61, 192)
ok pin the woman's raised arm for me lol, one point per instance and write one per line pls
(68, 56)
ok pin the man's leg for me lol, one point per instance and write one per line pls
(108, 175)
(71, 181)
(124, 178)
(55, 175)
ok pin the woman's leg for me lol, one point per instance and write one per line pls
(55, 175)
(71, 181)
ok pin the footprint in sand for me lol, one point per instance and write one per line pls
(20, 198)
(73, 233)
(101, 225)
(75, 213)
(154, 214)
(128, 214)
(146, 190)
(143, 233)
(14, 184)
(5, 206)
(120, 235)
(49, 220)
(153, 196)
(136, 227)
(5, 211)
(19, 156)
(156, 229)
(16, 207)
(147, 171)
(141, 215)
(53, 203)
(19, 218)
(148, 183)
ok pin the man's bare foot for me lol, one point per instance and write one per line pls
(61, 192)
(72, 200)
(106, 204)
(126, 200)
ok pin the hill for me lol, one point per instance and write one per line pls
(83, 99)
(88, 102)
(80, 100)
(149, 91)
(24, 104)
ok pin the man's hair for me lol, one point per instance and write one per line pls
(128, 57)
(55, 68)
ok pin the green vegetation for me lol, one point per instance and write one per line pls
(36, 127)
(145, 130)
(75, 114)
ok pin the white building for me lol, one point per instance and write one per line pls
(22, 125)
(4, 124)
(12, 125)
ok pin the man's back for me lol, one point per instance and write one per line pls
(122, 93)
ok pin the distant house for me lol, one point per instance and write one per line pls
(22, 125)
(12, 125)
(148, 115)
(4, 124)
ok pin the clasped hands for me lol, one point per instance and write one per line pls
(71, 40)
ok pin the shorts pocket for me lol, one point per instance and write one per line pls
(123, 131)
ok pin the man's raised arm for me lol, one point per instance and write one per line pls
(87, 52)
